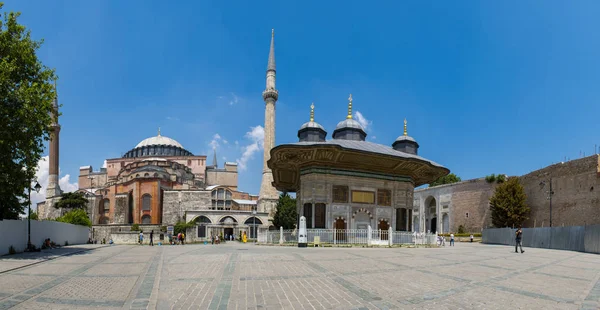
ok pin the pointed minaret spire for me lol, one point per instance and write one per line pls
(349, 107)
(312, 112)
(268, 195)
(271, 65)
(405, 132)
(214, 158)
(159, 131)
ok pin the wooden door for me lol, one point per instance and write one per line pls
(384, 228)
(340, 227)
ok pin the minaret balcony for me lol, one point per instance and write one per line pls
(270, 94)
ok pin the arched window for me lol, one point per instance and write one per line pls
(253, 222)
(146, 219)
(103, 220)
(156, 175)
(146, 202)
(146, 174)
(202, 221)
(105, 206)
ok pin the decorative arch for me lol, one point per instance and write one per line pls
(222, 198)
(146, 174)
(146, 202)
(340, 218)
(250, 221)
(103, 220)
(228, 220)
(156, 174)
(362, 210)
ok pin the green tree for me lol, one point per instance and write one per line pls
(286, 214)
(26, 96)
(72, 200)
(34, 216)
(447, 179)
(76, 217)
(182, 227)
(507, 205)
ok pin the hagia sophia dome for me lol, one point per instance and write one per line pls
(158, 146)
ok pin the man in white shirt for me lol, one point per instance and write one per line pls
(451, 239)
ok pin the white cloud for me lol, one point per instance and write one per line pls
(362, 120)
(236, 142)
(256, 135)
(172, 118)
(225, 141)
(214, 143)
(234, 99)
(224, 158)
(373, 137)
(41, 176)
(104, 164)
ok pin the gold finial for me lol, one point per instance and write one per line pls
(312, 112)
(405, 132)
(272, 32)
(349, 107)
(159, 131)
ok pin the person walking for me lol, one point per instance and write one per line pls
(519, 235)
(141, 237)
(451, 239)
(471, 238)
(151, 238)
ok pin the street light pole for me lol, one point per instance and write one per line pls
(549, 197)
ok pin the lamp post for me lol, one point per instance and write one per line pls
(550, 194)
(254, 223)
(37, 188)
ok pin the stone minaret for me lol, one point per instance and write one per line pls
(53, 189)
(268, 196)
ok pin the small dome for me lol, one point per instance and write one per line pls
(405, 138)
(311, 125)
(349, 123)
(159, 140)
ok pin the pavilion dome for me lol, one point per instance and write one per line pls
(349, 129)
(311, 130)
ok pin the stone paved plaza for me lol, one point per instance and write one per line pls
(245, 276)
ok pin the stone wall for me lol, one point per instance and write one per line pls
(14, 233)
(99, 232)
(576, 199)
(175, 203)
(465, 203)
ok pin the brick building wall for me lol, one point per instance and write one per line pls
(576, 199)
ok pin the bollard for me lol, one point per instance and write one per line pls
(390, 236)
(280, 235)
(369, 234)
(302, 235)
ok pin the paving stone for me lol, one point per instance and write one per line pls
(468, 276)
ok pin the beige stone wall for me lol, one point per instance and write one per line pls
(576, 199)
(222, 177)
(90, 179)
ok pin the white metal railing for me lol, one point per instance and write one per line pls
(347, 236)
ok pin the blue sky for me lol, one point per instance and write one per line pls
(486, 87)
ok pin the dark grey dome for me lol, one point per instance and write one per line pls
(349, 129)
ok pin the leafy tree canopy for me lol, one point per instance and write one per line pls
(182, 227)
(26, 95)
(286, 214)
(34, 216)
(75, 217)
(447, 179)
(72, 200)
(507, 205)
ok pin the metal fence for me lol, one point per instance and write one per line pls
(572, 238)
(347, 236)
